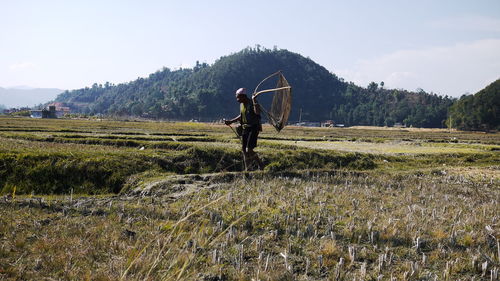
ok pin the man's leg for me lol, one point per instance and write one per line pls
(247, 161)
(244, 142)
(252, 143)
(253, 156)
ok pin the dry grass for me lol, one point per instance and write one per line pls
(391, 147)
(343, 226)
(429, 214)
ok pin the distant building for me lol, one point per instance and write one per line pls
(14, 110)
(328, 123)
(309, 124)
(52, 112)
(36, 113)
(331, 124)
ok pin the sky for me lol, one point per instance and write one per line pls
(441, 46)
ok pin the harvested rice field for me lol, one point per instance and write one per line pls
(128, 200)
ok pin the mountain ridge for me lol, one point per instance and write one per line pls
(27, 96)
(207, 92)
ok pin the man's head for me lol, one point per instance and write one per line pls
(241, 95)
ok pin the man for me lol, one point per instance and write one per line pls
(250, 122)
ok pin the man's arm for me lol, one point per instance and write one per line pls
(256, 106)
(236, 119)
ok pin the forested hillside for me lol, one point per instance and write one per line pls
(478, 112)
(206, 93)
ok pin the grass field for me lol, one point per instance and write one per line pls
(115, 200)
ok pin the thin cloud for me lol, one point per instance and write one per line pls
(468, 23)
(449, 70)
(22, 66)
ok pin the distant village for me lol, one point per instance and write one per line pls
(52, 110)
(58, 110)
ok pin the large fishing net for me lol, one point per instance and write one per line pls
(281, 104)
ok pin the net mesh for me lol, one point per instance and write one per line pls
(281, 104)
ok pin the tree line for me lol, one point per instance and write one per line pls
(206, 92)
(477, 112)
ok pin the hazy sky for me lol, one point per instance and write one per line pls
(447, 47)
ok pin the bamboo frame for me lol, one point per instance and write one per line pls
(269, 90)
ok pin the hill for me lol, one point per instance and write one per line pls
(480, 111)
(206, 92)
(17, 97)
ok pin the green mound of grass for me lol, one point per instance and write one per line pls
(97, 173)
(100, 156)
(58, 173)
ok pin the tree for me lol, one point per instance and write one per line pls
(479, 111)
(372, 87)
